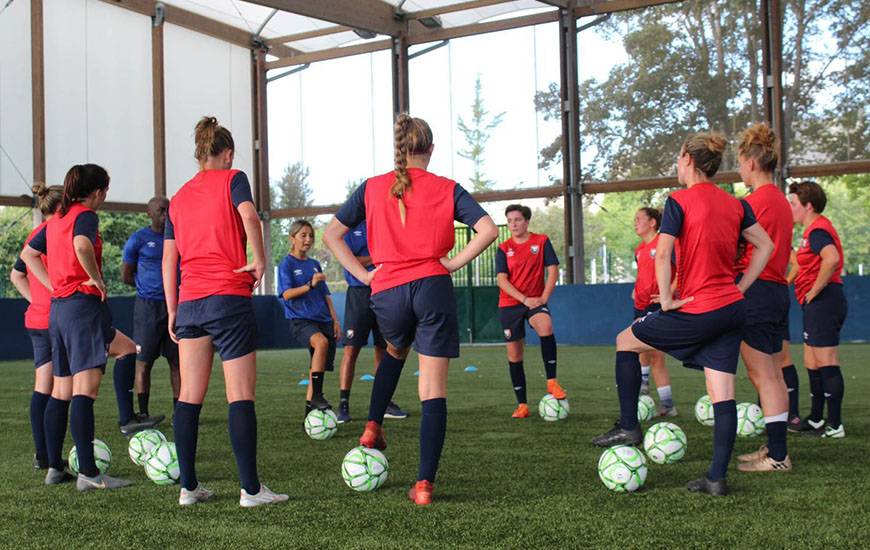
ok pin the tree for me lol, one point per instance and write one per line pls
(292, 190)
(477, 133)
(15, 226)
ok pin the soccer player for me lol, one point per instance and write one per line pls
(521, 262)
(647, 221)
(819, 290)
(36, 323)
(410, 214)
(210, 221)
(143, 255)
(308, 305)
(766, 300)
(359, 321)
(789, 373)
(80, 325)
(702, 327)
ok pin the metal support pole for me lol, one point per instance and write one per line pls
(263, 195)
(37, 75)
(158, 102)
(401, 87)
(771, 21)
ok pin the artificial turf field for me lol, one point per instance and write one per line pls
(502, 482)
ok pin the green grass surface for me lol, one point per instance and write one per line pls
(502, 482)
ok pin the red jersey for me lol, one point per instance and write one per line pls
(210, 237)
(646, 285)
(773, 212)
(708, 222)
(524, 264)
(64, 270)
(810, 262)
(36, 316)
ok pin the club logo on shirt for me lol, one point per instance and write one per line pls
(507, 333)
(510, 253)
(535, 248)
(652, 253)
(151, 244)
(297, 272)
(805, 243)
(350, 333)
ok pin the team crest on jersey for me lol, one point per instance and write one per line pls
(507, 333)
(535, 248)
(510, 253)
(349, 333)
(652, 253)
(805, 243)
(297, 272)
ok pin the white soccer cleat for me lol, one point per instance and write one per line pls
(194, 496)
(265, 496)
(101, 481)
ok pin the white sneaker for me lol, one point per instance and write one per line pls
(265, 496)
(102, 481)
(194, 496)
(834, 433)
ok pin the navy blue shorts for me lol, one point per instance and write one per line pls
(41, 340)
(303, 329)
(699, 340)
(513, 320)
(652, 308)
(229, 320)
(422, 312)
(767, 306)
(359, 319)
(785, 327)
(824, 317)
(151, 331)
(81, 332)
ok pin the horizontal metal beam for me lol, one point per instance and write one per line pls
(331, 53)
(567, 4)
(453, 8)
(371, 15)
(316, 33)
(595, 8)
(829, 169)
(420, 35)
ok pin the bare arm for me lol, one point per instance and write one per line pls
(793, 268)
(485, 233)
(127, 274)
(333, 238)
(504, 284)
(169, 267)
(298, 291)
(86, 256)
(19, 281)
(254, 233)
(32, 260)
(830, 258)
(365, 260)
(552, 279)
(336, 326)
(664, 249)
(757, 237)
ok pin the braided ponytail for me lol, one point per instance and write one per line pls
(412, 136)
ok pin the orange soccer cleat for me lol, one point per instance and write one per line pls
(554, 389)
(373, 436)
(522, 411)
(421, 493)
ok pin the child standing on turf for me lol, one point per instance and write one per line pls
(410, 214)
(308, 305)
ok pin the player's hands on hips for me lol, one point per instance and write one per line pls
(811, 295)
(100, 285)
(671, 304)
(370, 275)
(448, 264)
(256, 269)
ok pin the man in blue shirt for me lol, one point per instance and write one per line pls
(142, 268)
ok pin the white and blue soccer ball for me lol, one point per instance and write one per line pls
(750, 420)
(552, 409)
(102, 456)
(646, 408)
(161, 466)
(665, 443)
(321, 424)
(142, 443)
(364, 469)
(622, 469)
(704, 411)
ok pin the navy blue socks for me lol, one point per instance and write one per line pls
(518, 379)
(384, 386)
(81, 426)
(777, 429)
(123, 377)
(433, 426)
(317, 384)
(789, 375)
(628, 387)
(38, 401)
(243, 436)
(185, 424)
(817, 395)
(56, 417)
(833, 388)
(548, 354)
(724, 433)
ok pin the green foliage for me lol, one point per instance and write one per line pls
(292, 189)
(116, 228)
(477, 133)
(15, 226)
(849, 210)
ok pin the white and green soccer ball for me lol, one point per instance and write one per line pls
(364, 469)
(321, 424)
(102, 456)
(142, 443)
(665, 443)
(622, 468)
(161, 466)
(646, 408)
(552, 409)
(704, 411)
(750, 420)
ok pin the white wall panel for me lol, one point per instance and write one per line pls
(16, 126)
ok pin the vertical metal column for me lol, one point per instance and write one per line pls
(37, 75)
(158, 102)
(263, 195)
(401, 86)
(571, 146)
(771, 21)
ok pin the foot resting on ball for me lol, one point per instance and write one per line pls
(554, 389)
(373, 436)
(619, 436)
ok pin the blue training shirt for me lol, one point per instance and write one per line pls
(144, 251)
(357, 240)
(293, 273)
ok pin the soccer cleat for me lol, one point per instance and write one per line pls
(619, 436)
(100, 481)
(666, 412)
(343, 414)
(140, 423)
(194, 496)
(265, 496)
(644, 388)
(765, 464)
(522, 411)
(834, 433)
(793, 422)
(373, 436)
(806, 425)
(394, 411)
(54, 476)
(718, 488)
(319, 402)
(554, 389)
(421, 493)
(755, 455)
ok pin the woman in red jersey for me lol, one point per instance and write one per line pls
(702, 328)
(819, 291)
(521, 263)
(767, 300)
(410, 213)
(211, 219)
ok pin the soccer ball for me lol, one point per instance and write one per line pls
(704, 410)
(161, 466)
(552, 409)
(665, 443)
(645, 408)
(364, 469)
(102, 456)
(321, 424)
(142, 443)
(622, 469)
(750, 420)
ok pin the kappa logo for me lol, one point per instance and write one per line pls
(507, 333)
(297, 272)
(350, 333)
(535, 248)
